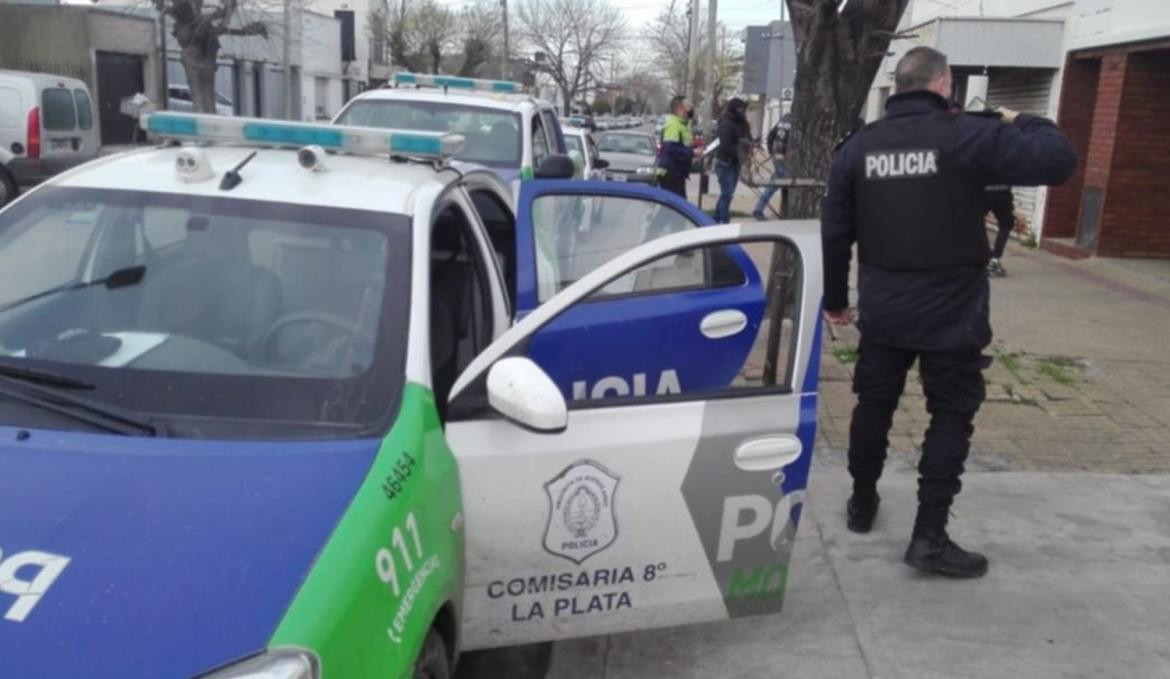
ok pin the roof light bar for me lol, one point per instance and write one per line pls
(261, 132)
(457, 83)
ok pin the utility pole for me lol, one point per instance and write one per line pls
(712, 19)
(286, 59)
(692, 43)
(504, 63)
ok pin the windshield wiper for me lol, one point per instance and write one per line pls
(47, 377)
(108, 417)
(122, 278)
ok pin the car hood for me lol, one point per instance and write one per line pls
(626, 162)
(172, 556)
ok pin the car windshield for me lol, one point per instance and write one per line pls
(626, 143)
(492, 136)
(223, 317)
(573, 143)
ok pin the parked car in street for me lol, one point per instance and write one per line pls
(46, 126)
(631, 155)
(584, 152)
(271, 411)
(179, 99)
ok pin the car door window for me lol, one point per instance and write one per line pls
(680, 335)
(461, 310)
(84, 111)
(550, 129)
(540, 149)
(576, 233)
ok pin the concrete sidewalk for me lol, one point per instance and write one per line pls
(1078, 587)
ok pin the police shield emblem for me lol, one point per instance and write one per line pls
(581, 518)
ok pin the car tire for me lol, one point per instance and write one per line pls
(433, 661)
(8, 188)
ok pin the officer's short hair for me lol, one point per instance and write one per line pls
(675, 101)
(918, 68)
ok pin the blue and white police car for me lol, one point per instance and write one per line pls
(503, 128)
(630, 398)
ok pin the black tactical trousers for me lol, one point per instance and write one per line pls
(953, 384)
(1000, 204)
(675, 184)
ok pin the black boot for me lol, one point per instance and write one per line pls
(860, 511)
(937, 553)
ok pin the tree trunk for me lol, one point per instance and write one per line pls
(199, 64)
(838, 54)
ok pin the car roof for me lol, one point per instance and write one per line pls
(502, 102)
(348, 181)
(42, 79)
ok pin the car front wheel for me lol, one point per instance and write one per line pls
(433, 662)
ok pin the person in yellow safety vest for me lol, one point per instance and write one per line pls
(675, 150)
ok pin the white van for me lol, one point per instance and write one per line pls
(46, 126)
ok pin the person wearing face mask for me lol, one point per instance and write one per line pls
(676, 152)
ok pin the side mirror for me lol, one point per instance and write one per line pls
(519, 390)
(601, 163)
(555, 167)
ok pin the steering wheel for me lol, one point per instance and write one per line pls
(313, 353)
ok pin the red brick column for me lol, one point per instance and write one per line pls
(1078, 98)
(1136, 219)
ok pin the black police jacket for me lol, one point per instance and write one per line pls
(908, 189)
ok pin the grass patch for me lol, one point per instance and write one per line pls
(1060, 372)
(1029, 240)
(1011, 363)
(846, 355)
(1016, 398)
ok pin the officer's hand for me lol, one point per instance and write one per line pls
(839, 317)
(1008, 115)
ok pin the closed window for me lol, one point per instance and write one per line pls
(84, 112)
(58, 110)
(540, 149)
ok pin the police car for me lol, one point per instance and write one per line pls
(270, 410)
(503, 128)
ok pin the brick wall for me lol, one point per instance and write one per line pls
(1078, 97)
(1136, 220)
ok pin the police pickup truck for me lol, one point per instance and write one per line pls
(307, 401)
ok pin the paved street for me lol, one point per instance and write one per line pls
(1066, 493)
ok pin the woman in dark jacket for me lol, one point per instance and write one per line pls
(734, 133)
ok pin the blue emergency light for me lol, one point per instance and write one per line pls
(457, 83)
(260, 132)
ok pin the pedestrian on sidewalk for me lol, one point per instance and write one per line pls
(734, 135)
(1001, 204)
(676, 151)
(777, 142)
(908, 190)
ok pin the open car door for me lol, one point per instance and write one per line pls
(640, 510)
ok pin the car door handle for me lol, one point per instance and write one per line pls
(771, 452)
(725, 323)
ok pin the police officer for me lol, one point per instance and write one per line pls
(676, 151)
(908, 190)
